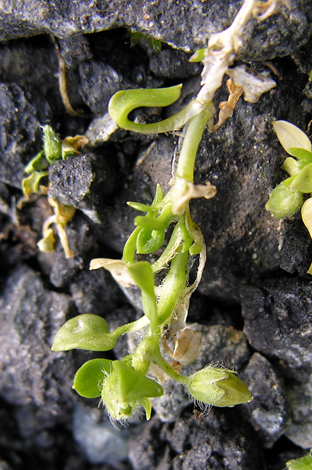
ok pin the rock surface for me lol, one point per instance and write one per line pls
(184, 25)
(254, 302)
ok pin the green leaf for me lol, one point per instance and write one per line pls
(291, 166)
(301, 154)
(149, 241)
(303, 463)
(39, 162)
(85, 331)
(125, 101)
(89, 378)
(303, 180)
(46, 244)
(284, 201)
(306, 215)
(31, 183)
(291, 136)
(133, 386)
(143, 276)
(52, 145)
(198, 55)
(140, 207)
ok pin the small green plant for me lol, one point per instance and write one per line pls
(125, 386)
(53, 150)
(303, 463)
(287, 198)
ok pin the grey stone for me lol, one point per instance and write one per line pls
(81, 240)
(34, 378)
(101, 442)
(20, 132)
(72, 180)
(185, 25)
(95, 292)
(300, 400)
(220, 438)
(278, 320)
(268, 409)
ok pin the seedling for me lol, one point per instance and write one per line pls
(287, 198)
(125, 386)
(53, 150)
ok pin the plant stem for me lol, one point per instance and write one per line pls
(193, 135)
(173, 286)
(158, 359)
(133, 326)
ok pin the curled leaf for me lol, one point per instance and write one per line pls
(253, 83)
(117, 268)
(125, 101)
(31, 183)
(187, 346)
(194, 191)
(70, 145)
(227, 107)
(37, 163)
(46, 244)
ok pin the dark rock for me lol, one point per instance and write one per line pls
(98, 83)
(171, 63)
(83, 182)
(20, 132)
(185, 25)
(300, 399)
(278, 321)
(81, 241)
(212, 442)
(95, 292)
(268, 409)
(32, 377)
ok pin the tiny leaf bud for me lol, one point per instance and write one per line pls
(218, 387)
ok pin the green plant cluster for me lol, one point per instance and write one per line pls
(127, 386)
(124, 386)
(287, 198)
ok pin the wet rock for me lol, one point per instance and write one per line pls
(214, 441)
(185, 25)
(268, 409)
(300, 399)
(33, 377)
(20, 132)
(278, 323)
(83, 182)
